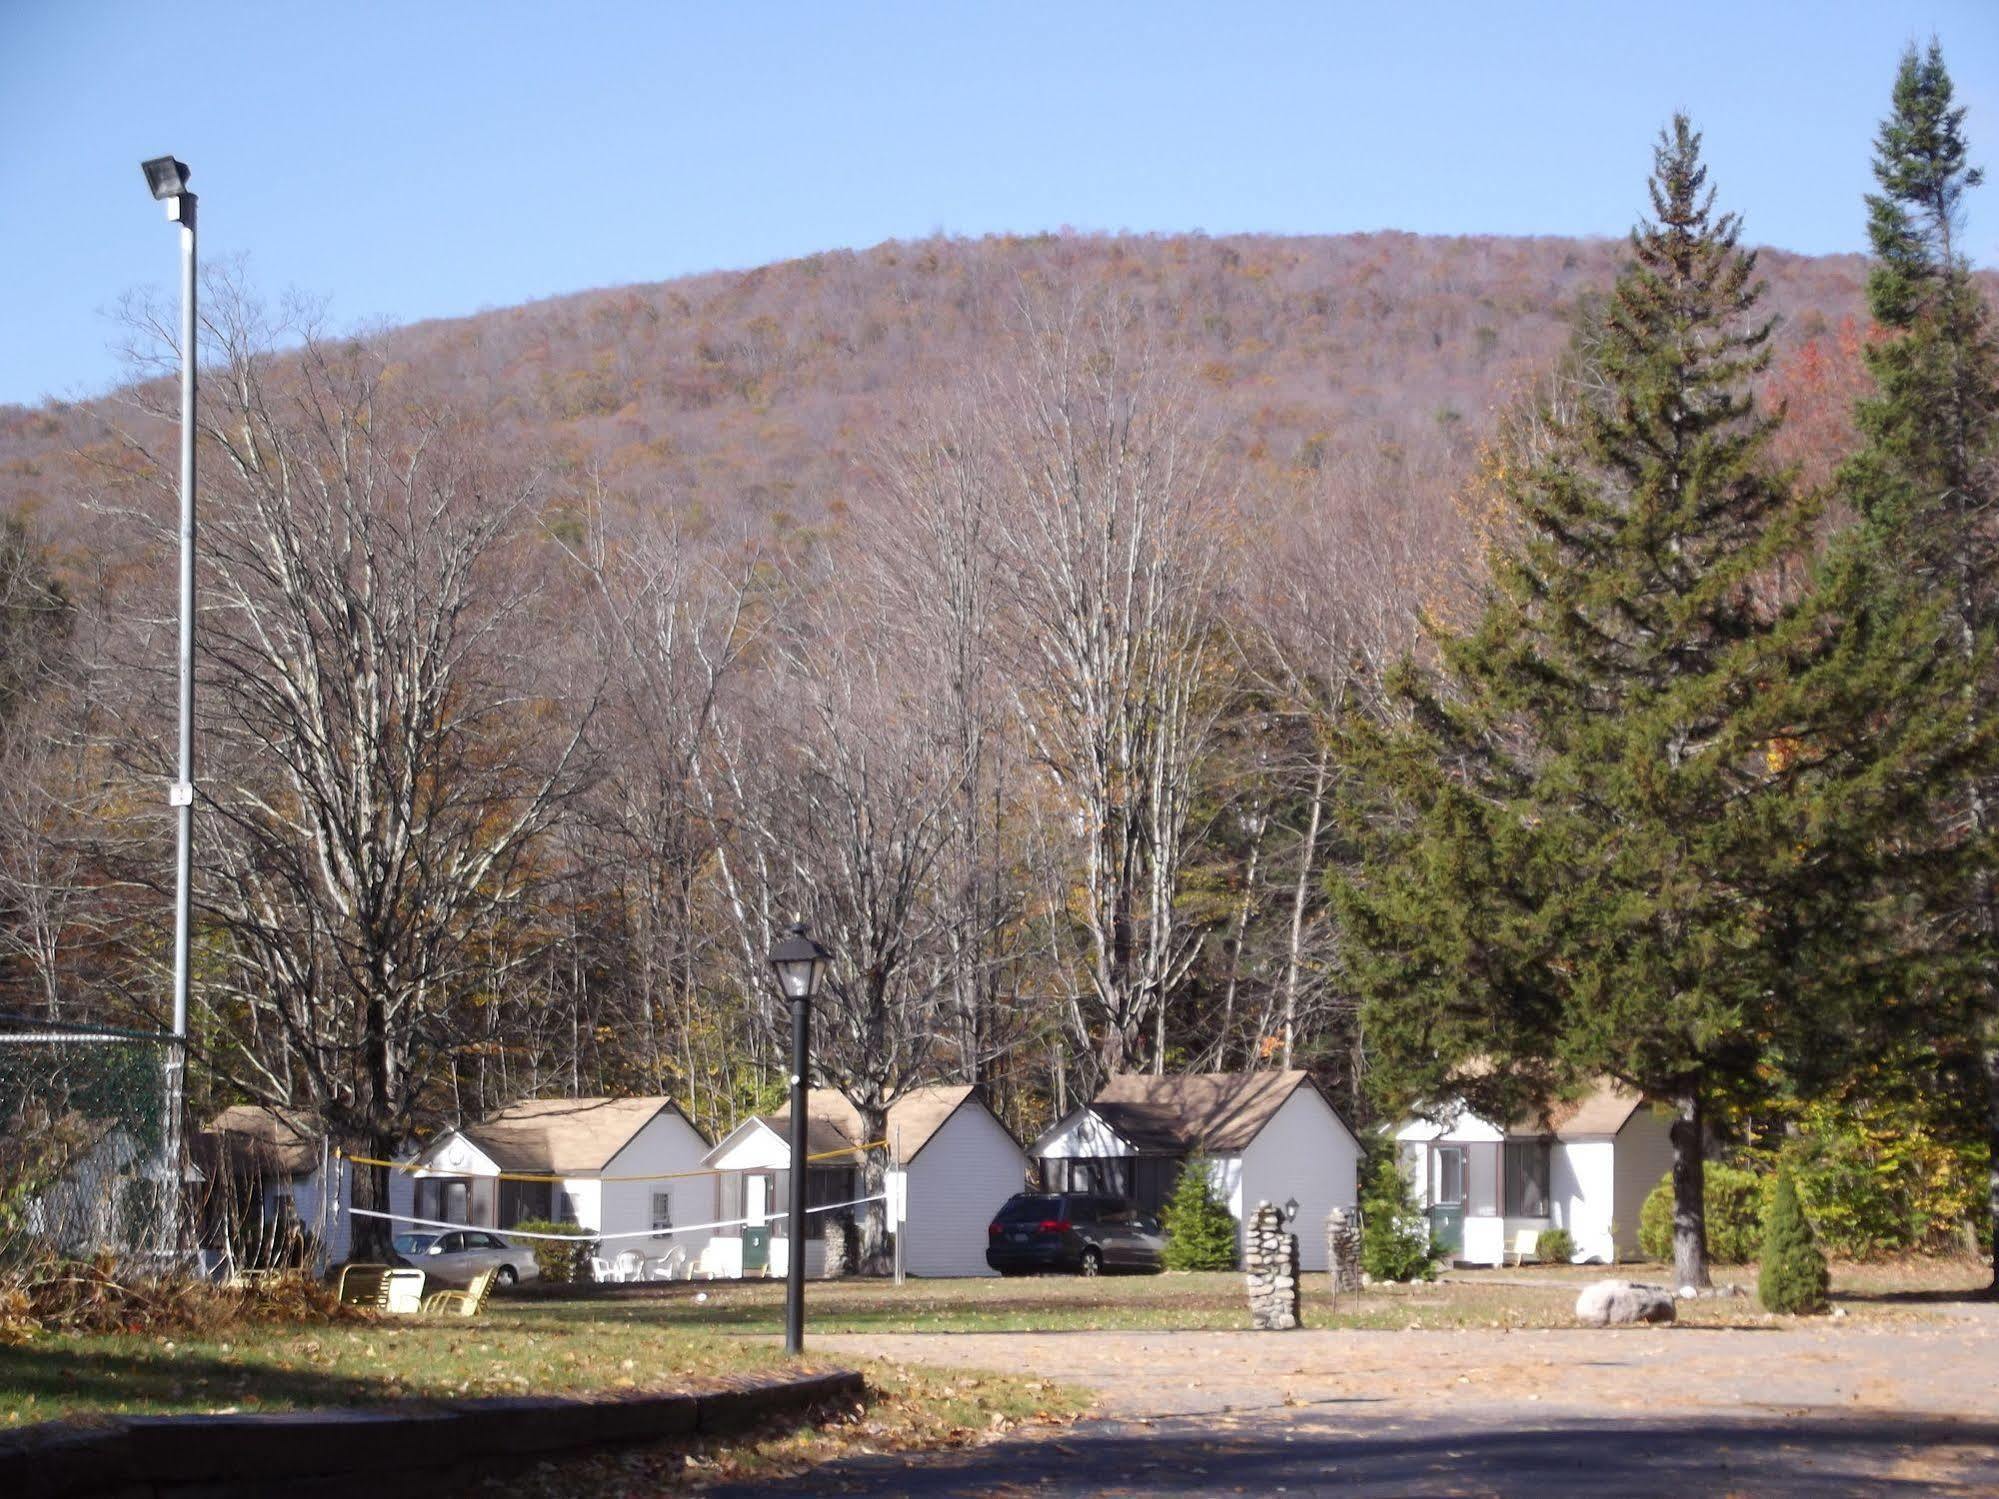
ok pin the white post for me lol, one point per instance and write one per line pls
(898, 1199)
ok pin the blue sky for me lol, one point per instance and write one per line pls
(427, 159)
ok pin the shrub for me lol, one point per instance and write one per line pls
(1557, 1246)
(1395, 1233)
(1734, 1200)
(1792, 1277)
(1200, 1230)
(563, 1264)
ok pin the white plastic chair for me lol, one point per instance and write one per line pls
(602, 1269)
(671, 1264)
(630, 1264)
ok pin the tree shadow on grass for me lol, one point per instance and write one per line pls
(69, 1381)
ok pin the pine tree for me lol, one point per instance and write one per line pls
(1394, 1233)
(1200, 1230)
(1925, 486)
(1615, 832)
(1791, 1274)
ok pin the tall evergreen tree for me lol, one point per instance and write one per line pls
(1603, 839)
(1926, 486)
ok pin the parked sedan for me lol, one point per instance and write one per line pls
(453, 1257)
(1072, 1231)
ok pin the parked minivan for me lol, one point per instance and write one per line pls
(1074, 1232)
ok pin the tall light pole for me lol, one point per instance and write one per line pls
(168, 180)
(800, 963)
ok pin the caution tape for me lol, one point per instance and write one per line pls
(544, 1176)
(644, 1233)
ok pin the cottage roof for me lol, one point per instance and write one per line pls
(250, 1137)
(1200, 1111)
(564, 1136)
(832, 1123)
(1601, 1111)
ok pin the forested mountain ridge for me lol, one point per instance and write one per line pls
(991, 604)
(747, 400)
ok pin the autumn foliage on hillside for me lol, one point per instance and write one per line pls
(984, 602)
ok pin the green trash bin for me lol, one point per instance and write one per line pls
(756, 1250)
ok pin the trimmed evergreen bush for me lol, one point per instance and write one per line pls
(564, 1264)
(1200, 1230)
(1554, 1246)
(1734, 1200)
(1395, 1233)
(1792, 1277)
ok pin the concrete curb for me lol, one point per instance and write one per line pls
(307, 1452)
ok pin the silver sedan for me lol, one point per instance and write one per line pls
(454, 1256)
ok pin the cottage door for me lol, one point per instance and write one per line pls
(1447, 1197)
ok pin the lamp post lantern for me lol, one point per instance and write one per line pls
(167, 178)
(800, 964)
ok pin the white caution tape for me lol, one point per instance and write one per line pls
(644, 1233)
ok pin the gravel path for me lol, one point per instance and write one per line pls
(1901, 1407)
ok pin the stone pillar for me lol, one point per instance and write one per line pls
(1270, 1263)
(1343, 1250)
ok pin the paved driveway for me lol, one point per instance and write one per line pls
(1906, 1408)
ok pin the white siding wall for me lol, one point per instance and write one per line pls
(956, 1183)
(1306, 1152)
(1644, 1154)
(667, 1144)
(1225, 1175)
(585, 1201)
(1581, 1192)
(305, 1194)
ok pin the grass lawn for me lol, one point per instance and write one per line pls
(520, 1346)
(1537, 1296)
(679, 1336)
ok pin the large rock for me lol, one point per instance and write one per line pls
(1620, 1303)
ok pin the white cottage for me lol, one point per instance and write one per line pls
(1269, 1136)
(953, 1164)
(265, 1167)
(620, 1166)
(1584, 1165)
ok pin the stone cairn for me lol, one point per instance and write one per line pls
(1270, 1261)
(1343, 1250)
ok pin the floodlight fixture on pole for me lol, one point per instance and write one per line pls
(167, 177)
(800, 965)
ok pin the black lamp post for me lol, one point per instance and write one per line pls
(800, 964)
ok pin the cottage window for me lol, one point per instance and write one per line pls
(1526, 1178)
(662, 1215)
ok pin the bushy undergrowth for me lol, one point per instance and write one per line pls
(560, 1264)
(1734, 1199)
(93, 1296)
(1554, 1246)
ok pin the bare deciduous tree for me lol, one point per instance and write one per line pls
(382, 747)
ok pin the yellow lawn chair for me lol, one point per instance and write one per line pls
(466, 1303)
(362, 1285)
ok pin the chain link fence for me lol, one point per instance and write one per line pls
(88, 1148)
